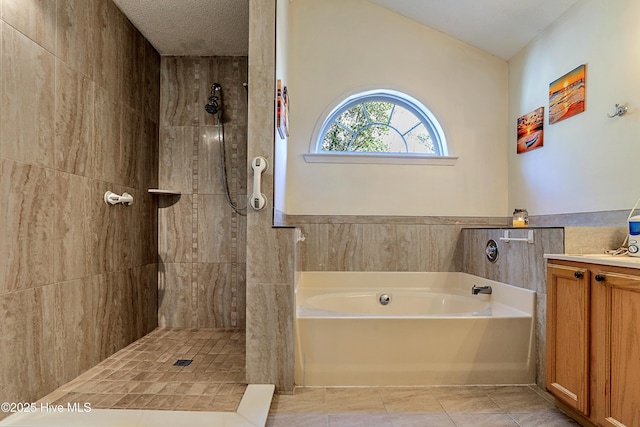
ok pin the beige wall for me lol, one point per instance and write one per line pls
(337, 47)
(592, 156)
(79, 96)
(201, 240)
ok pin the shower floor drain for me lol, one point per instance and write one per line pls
(183, 362)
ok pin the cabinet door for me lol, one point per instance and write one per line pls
(621, 364)
(568, 320)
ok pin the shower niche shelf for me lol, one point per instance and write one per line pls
(160, 191)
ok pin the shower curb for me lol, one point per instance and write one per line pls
(252, 412)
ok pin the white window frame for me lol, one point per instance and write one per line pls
(316, 155)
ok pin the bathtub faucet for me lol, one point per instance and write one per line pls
(481, 290)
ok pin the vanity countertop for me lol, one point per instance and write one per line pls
(602, 259)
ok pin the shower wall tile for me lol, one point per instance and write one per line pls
(113, 311)
(215, 295)
(131, 141)
(75, 33)
(209, 175)
(78, 278)
(24, 333)
(26, 226)
(107, 59)
(240, 233)
(180, 91)
(151, 91)
(176, 158)
(113, 242)
(133, 53)
(148, 298)
(202, 228)
(74, 120)
(240, 295)
(148, 154)
(106, 131)
(175, 229)
(230, 72)
(214, 237)
(74, 327)
(27, 94)
(35, 19)
(71, 228)
(174, 295)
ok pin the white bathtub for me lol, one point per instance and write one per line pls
(433, 331)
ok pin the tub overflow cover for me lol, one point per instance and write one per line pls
(384, 299)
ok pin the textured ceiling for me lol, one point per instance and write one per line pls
(192, 27)
(221, 27)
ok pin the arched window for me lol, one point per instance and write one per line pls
(380, 123)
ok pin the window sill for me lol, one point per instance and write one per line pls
(383, 159)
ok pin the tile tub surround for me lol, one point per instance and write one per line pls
(201, 240)
(79, 115)
(381, 243)
(463, 406)
(519, 264)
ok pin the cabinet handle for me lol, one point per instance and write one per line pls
(600, 277)
(578, 274)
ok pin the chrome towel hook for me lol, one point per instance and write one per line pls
(621, 110)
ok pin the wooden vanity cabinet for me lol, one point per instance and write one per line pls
(568, 323)
(593, 341)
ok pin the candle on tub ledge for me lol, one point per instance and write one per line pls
(520, 218)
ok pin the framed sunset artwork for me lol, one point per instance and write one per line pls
(566, 95)
(530, 131)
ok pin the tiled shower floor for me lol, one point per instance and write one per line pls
(143, 375)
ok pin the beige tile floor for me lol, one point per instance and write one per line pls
(462, 406)
(143, 375)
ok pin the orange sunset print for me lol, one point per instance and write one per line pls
(530, 134)
(566, 95)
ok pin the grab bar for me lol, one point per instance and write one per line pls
(528, 239)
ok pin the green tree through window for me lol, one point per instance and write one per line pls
(381, 122)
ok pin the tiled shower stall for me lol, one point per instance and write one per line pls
(79, 97)
(201, 240)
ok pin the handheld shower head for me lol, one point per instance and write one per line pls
(212, 106)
